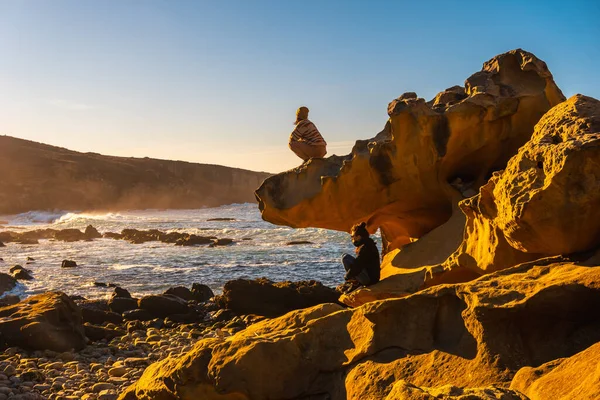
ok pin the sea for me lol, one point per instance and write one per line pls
(260, 250)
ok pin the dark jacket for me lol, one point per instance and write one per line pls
(367, 257)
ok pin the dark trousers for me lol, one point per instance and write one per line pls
(362, 277)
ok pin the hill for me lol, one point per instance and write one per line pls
(38, 176)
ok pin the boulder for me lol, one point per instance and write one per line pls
(69, 235)
(138, 315)
(98, 317)
(9, 300)
(403, 179)
(201, 293)
(122, 304)
(267, 298)
(96, 333)
(68, 264)
(120, 292)
(163, 305)
(575, 377)
(20, 273)
(91, 233)
(7, 283)
(2, 244)
(49, 321)
(221, 242)
(194, 240)
(181, 292)
(472, 336)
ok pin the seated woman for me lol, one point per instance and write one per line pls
(305, 140)
(364, 269)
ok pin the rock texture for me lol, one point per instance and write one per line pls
(272, 299)
(50, 321)
(476, 334)
(38, 177)
(405, 179)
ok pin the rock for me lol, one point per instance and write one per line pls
(98, 387)
(97, 317)
(69, 235)
(30, 259)
(138, 315)
(117, 371)
(120, 292)
(7, 283)
(95, 332)
(298, 242)
(263, 297)
(411, 163)
(221, 242)
(2, 244)
(91, 233)
(9, 300)
(20, 273)
(163, 305)
(575, 377)
(201, 293)
(476, 335)
(122, 304)
(194, 240)
(181, 292)
(68, 264)
(221, 219)
(46, 321)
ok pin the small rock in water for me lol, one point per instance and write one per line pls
(30, 259)
(68, 264)
(221, 219)
(296, 242)
(221, 242)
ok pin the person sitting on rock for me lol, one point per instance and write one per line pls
(305, 140)
(364, 269)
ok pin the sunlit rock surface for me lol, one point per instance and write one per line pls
(404, 180)
(472, 335)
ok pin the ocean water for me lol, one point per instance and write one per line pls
(153, 267)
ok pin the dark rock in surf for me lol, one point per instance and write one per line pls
(163, 305)
(221, 242)
(68, 264)
(92, 233)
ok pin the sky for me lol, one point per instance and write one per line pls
(219, 82)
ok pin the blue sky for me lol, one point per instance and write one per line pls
(219, 81)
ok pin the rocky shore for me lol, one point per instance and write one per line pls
(57, 347)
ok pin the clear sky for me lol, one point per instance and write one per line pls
(219, 81)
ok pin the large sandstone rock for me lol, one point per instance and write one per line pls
(470, 335)
(576, 377)
(49, 321)
(271, 299)
(404, 180)
(546, 202)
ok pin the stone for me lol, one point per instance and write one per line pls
(20, 273)
(91, 233)
(46, 321)
(122, 304)
(163, 305)
(69, 235)
(221, 219)
(96, 333)
(476, 335)
(138, 315)
(68, 264)
(298, 242)
(181, 292)
(7, 283)
(574, 377)
(263, 297)
(221, 242)
(9, 300)
(400, 180)
(201, 293)
(194, 240)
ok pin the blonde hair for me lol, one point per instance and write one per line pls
(301, 114)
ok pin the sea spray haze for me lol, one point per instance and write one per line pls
(260, 250)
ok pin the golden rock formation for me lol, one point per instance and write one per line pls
(475, 335)
(405, 179)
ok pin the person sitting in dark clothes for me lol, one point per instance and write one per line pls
(364, 269)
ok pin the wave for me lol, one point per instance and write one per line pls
(34, 218)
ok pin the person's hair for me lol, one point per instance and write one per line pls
(360, 229)
(301, 114)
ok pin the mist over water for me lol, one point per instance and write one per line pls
(259, 250)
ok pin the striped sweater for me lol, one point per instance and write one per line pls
(306, 131)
